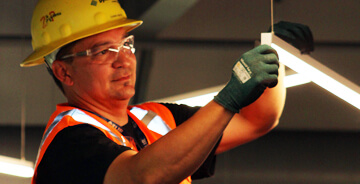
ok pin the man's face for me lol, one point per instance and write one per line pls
(103, 82)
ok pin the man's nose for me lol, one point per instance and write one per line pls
(121, 60)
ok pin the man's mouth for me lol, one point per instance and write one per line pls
(123, 78)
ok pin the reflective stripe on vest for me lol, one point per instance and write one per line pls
(79, 116)
(151, 120)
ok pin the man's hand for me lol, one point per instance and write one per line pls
(298, 35)
(254, 71)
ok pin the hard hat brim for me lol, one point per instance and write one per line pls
(37, 56)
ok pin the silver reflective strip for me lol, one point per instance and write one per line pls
(139, 113)
(53, 124)
(159, 126)
(79, 116)
(151, 120)
(149, 116)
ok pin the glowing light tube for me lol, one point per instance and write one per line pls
(16, 167)
(194, 98)
(204, 96)
(307, 68)
(314, 70)
(295, 80)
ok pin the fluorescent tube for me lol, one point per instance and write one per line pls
(314, 70)
(204, 96)
(308, 70)
(16, 167)
(295, 80)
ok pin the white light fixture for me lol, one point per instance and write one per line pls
(194, 98)
(307, 68)
(16, 167)
(312, 69)
(204, 96)
(295, 80)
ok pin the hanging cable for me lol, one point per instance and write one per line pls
(23, 116)
(272, 16)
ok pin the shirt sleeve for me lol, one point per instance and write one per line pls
(181, 113)
(78, 154)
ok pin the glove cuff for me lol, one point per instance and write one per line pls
(225, 99)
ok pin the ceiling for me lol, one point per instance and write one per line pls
(190, 45)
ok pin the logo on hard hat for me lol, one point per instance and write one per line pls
(94, 2)
(49, 18)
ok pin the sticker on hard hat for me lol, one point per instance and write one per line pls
(242, 71)
(94, 2)
(49, 18)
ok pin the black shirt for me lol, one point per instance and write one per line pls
(82, 153)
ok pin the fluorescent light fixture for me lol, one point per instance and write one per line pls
(16, 167)
(307, 68)
(201, 100)
(204, 96)
(295, 80)
(195, 98)
(314, 70)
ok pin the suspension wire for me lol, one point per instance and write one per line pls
(23, 108)
(272, 16)
(23, 117)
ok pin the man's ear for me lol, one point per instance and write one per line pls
(61, 71)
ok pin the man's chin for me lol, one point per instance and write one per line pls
(126, 94)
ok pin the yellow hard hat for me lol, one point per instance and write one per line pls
(56, 23)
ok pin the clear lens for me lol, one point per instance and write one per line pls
(107, 53)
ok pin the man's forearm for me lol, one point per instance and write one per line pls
(178, 154)
(256, 119)
(268, 108)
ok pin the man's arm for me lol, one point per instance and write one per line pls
(261, 116)
(175, 156)
(256, 119)
(180, 152)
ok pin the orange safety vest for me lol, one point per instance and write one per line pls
(153, 119)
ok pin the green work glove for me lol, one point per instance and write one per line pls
(254, 71)
(298, 35)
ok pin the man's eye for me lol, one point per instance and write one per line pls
(127, 44)
(102, 52)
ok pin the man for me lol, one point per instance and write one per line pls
(97, 138)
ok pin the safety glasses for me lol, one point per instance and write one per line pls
(106, 52)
